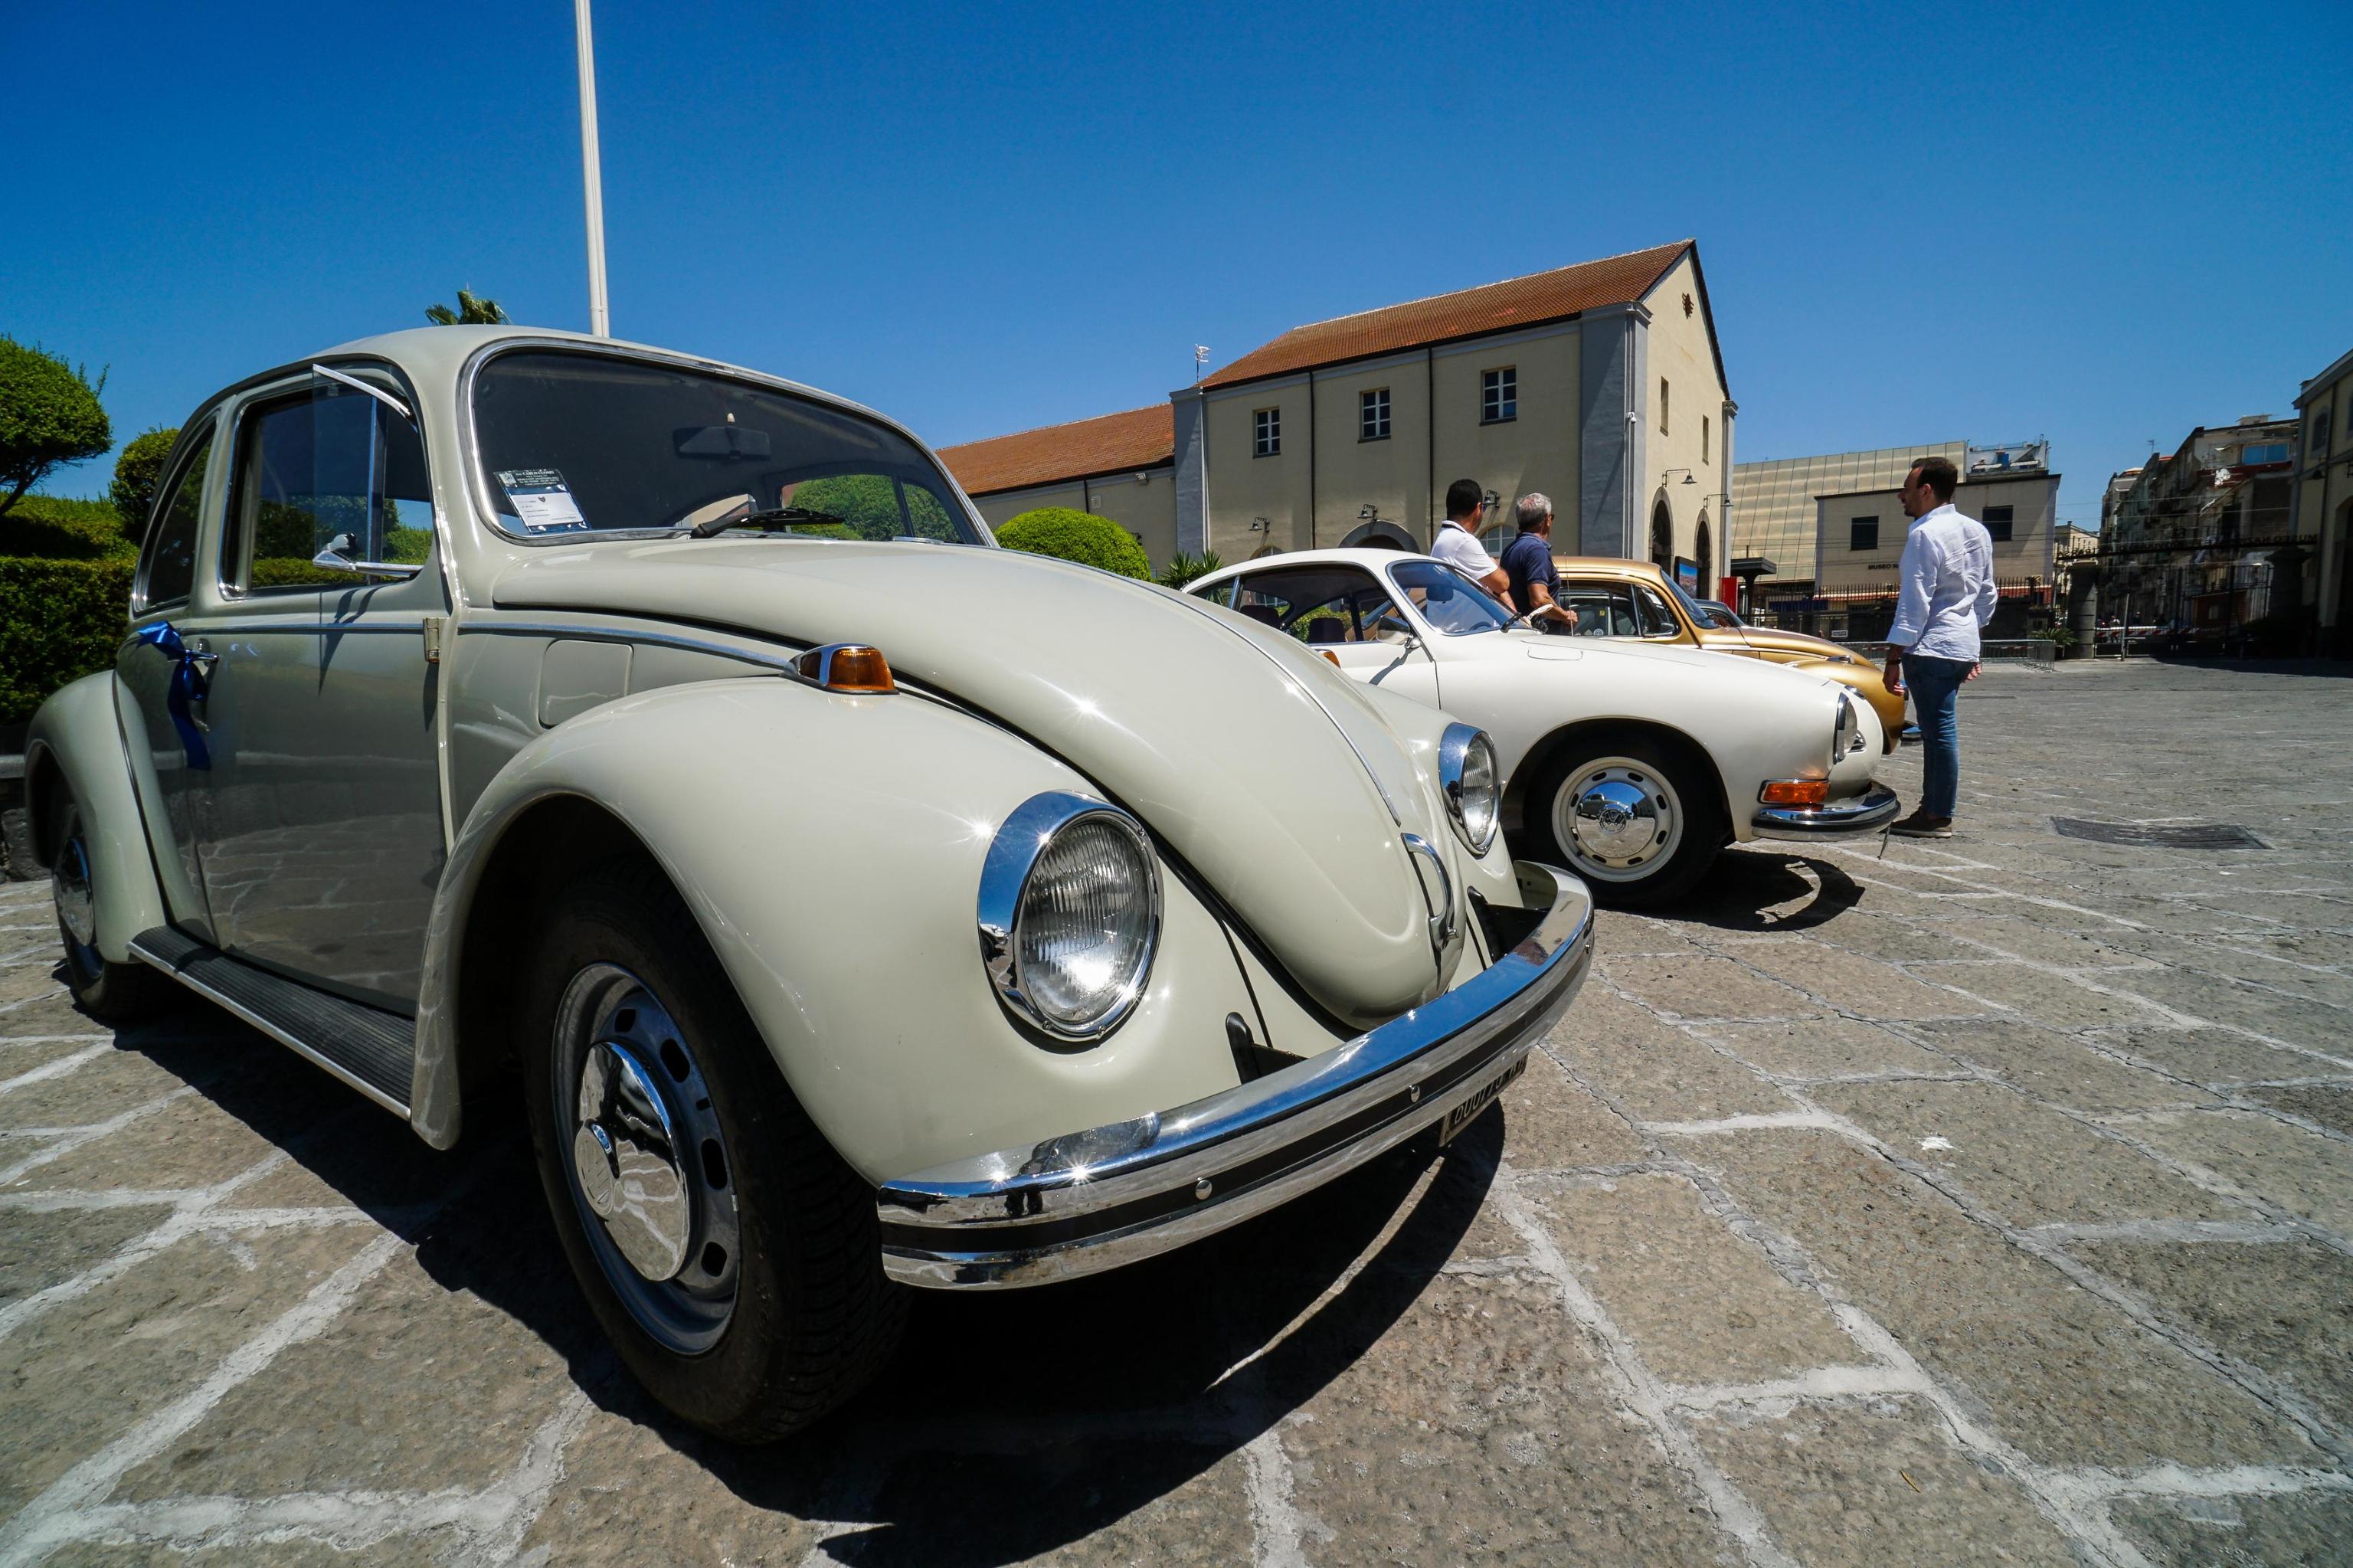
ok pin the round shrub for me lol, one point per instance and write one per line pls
(1073, 536)
(136, 473)
(49, 415)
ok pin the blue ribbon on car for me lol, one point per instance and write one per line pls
(166, 639)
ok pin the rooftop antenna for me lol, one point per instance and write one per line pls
(1200, 362)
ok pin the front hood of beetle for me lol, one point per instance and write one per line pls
(1260, 764)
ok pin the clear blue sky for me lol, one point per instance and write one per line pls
(2101, 223)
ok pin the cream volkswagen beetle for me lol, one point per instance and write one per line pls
(528, 727)
(1630, 763)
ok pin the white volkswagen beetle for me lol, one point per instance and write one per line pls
(535, 729)
(1631, 765)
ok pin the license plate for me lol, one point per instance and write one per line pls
(1466, 1113)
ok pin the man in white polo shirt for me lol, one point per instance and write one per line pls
(1458, 538)
(1947, 595)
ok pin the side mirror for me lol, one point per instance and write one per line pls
(336, 557)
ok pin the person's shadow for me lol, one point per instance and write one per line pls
(1766, 888)
(1010, 1422)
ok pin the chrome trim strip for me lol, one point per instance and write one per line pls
(1094, 1200)
(285, 1037)
(1027, 832)
(378, 393)
(783, 664)
(1860, 814)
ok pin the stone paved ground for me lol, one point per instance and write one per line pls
(1985, 1202)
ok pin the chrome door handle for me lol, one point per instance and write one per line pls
(200, 660)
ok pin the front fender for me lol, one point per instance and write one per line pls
(830, 848)
(75, 739)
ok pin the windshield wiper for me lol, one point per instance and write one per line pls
(774, 518)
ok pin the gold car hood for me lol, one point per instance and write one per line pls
(1761, 636)
(1260, 764)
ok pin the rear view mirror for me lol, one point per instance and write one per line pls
(724, 442)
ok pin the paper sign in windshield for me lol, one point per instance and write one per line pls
(542, 501)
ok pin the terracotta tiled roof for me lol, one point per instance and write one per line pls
(1107, 443)
(1494, 307)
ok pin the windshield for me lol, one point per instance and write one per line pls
(1446, 599)
(576, 443)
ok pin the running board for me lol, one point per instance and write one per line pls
(373, 1051)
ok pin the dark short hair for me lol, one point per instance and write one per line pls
(1462, 497)
(1938, 474)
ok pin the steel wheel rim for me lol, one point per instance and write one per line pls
(77, 900)
(1619, 818)
(648, 1167)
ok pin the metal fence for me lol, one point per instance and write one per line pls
(2025, 605)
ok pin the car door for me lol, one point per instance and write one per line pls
(318, 824)
(160, 680)
(1349, 615)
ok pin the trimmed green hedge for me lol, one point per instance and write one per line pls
(52, 528)
(1073, 536)
(59, 620)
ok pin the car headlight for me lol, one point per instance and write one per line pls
(1070, 914)
(1846, 734)
(1466, 770)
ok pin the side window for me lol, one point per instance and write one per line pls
(1603, 609)
(1321, 605)
(1218, 593)
(1657, 616)
(168, 565)
(328, 468)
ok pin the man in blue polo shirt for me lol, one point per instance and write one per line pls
(1528, 562)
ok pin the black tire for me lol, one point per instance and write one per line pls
(810, 1315)
(1688, 829)
(118, 993)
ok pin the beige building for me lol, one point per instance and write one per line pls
(2322, 504)
(1859, 537)
(1118, 466)
(1774, 517)
(1599, 384)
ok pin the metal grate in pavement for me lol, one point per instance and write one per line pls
(2151, 835)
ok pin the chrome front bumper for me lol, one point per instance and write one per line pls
(1864, 813)
(1096, 1199)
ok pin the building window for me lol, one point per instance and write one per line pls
(1663, 405)
(1499, 395)
(1269, 423)
(1703, 438)
(1862, 534)
(1997, 521)
(2269, 451)
(2319, 433)
(1373, 415)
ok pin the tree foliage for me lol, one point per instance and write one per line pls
(137, 470)
(58, 621)
(1066, 533)
(472, 311)
(1183, 568)
(50, 417)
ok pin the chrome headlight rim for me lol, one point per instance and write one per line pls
(1021, 841)
(1454, 751)
(1846, 731)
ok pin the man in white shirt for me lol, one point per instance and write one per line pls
(1948, 596)
(1458, 538)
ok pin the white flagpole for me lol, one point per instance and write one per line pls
(599, 320)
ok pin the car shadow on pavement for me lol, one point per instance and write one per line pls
(1767, 888)
(1009, 1423)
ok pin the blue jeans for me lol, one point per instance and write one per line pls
(1935, 686)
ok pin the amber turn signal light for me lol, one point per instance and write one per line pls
(1795, 792)
(1334, 657)
(847, 667)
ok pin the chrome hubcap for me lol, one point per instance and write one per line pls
(1618, 818)
(70, 883)
(648, 1166)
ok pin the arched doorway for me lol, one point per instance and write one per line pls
(1380, 537)
(1702, 554)
(1662, 535)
